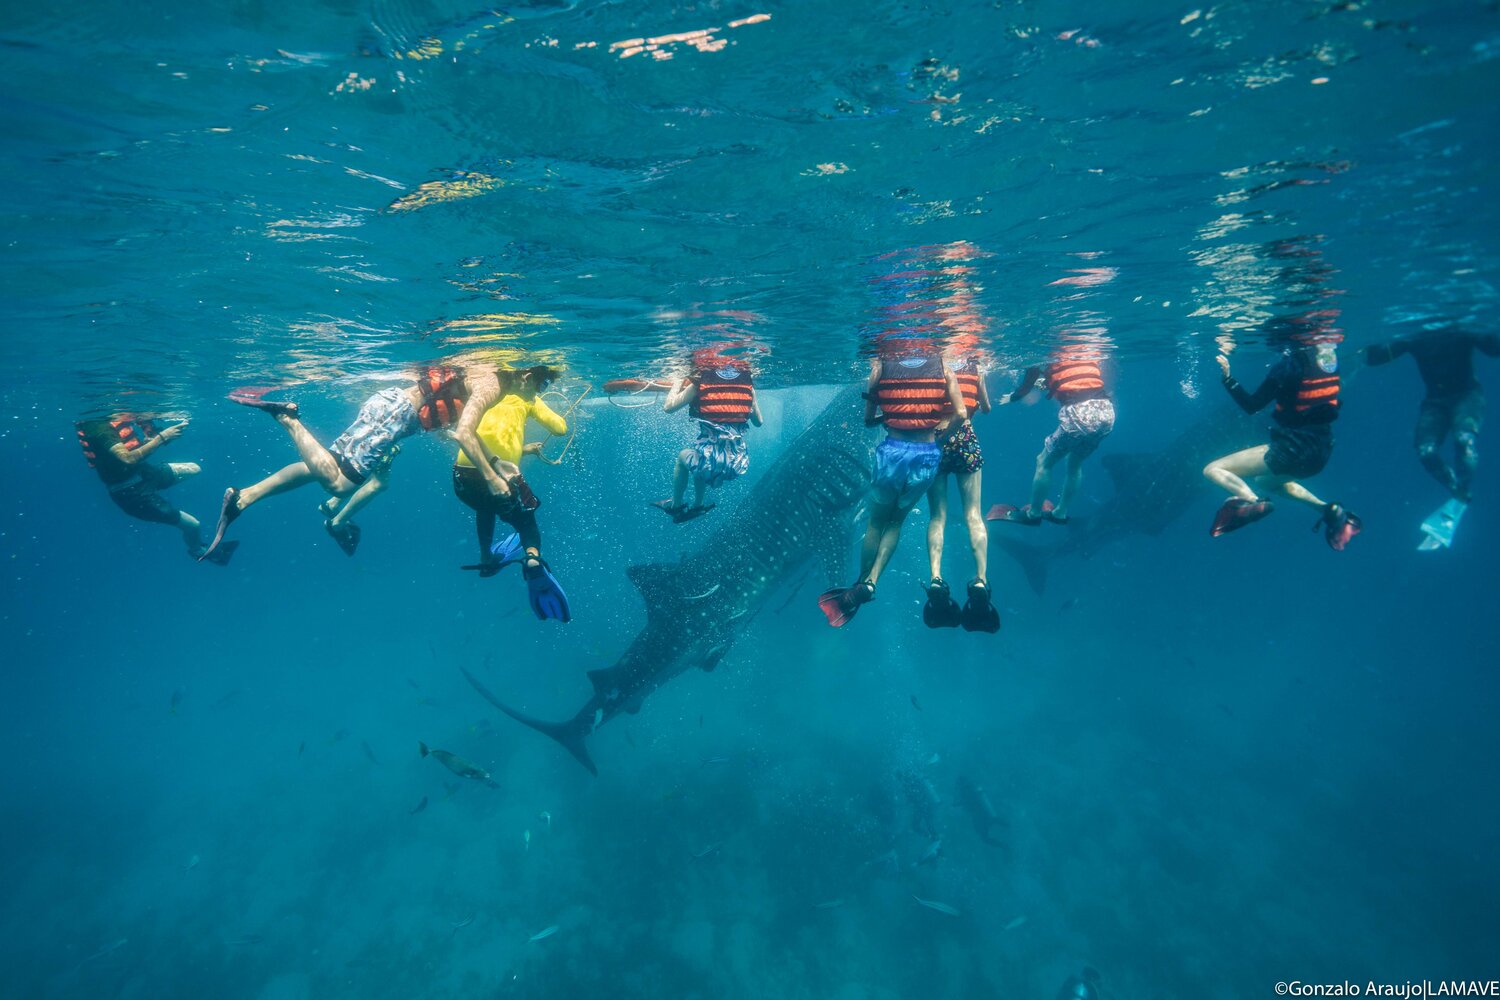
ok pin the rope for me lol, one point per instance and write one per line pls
(573, 425)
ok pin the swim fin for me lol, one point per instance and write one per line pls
(346, 534)
(683, 514)
(980, 613)
(840, 604)
(219, 556)
(506, 552)
(1236, 513)
(941, 610)
(252, 398)
(227, 513)
(1019, 515)
(548, 602)
(1340, 526)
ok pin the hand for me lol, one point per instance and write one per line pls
(1003, 400)
(172, 433)
(1223, 365)
(534, 448)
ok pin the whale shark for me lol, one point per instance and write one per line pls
(1151, 491)
(802, 508)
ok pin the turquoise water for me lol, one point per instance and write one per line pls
(1217, 764)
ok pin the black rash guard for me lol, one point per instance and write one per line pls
(1281, 384)
(1445, 358)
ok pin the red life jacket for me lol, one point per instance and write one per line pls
(1316, 400)
(1074, 378)
(912, 392)
(443, 396)
(726, 395)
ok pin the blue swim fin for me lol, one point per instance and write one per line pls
(507, 552)
(548, 602)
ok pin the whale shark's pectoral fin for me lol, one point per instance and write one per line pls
(608, 683)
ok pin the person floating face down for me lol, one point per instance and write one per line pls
(1454, 400)
(356, 465)
(911, 391)
(117, 447)
(720, 396)
(1085, 417)
(1305, 386)
(502, 435)
(962, 459)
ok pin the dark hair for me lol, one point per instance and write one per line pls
(542, 375)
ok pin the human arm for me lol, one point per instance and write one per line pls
(1487, 343)
(1248, 401)
(984, 396)
(1382, 354)
(548, 418)
(755, 416)
(955, 396)
(681, 395)
(484, 394)
(1028, 382)
(872, 417)
(151, 445)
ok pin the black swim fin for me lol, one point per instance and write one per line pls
(980, 613)
(941, 610)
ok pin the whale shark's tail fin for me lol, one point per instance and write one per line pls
(571, 734)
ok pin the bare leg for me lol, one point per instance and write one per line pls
(192, 535)
(979, 535)
(680, 478)
(319, 461)
(289, 478)
(1070, 485)
(890, 534)
(368, 490)
(1301, 494)
(937, 521)
(1041, 483)
(1231, 471)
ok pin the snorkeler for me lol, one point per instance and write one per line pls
(117, 448)
(443, 398)
(962, 459)
(1085, 417)
(1305, 386)
(502, 433)
(720, 396)
(1454, 401)
(910, 390)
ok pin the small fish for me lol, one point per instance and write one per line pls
(715, 759)
(545, 932)
(526, 838)
(629, 739)
(459, 766)
(460, 925)
(934, 759)
(598, 717)
(931, 854)
(245, 941)
(340, 736)
(1071, 602)
(192, 863)
(414, 685)
(828, 904)
(301, 747)
(368, 752)
(1013, 923)
(710, 851)
(227, 700)
(933, 904)
(176, 700)
(700, 722)
(546, 818)
(916, 704)
(418, 807)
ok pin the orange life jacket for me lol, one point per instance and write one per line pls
(97, 437)
(1316, 400)
(912, 392)
(1074, 378)
(443, 396)
(966, 374)
(726, 395)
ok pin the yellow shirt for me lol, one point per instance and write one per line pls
(502, 429)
